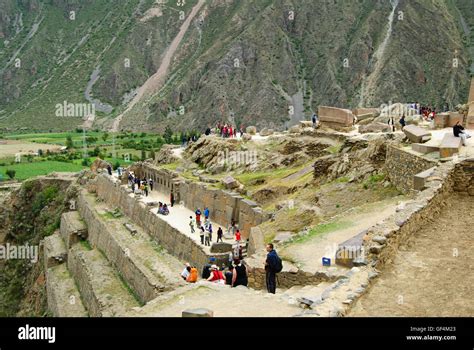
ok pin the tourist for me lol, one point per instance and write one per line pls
(206, 238)
(198, 217)
(235, 254)
(186, 271)
(314, 119)
(238, 236)
(133, 187)
(235, 132)
(208, 131)
(191, 224)
(145, 188)
(230, 259)
(402, 121)
(201, 234)
(391, 122)
(219, 235)
(119, 171)
(239, 277)
(228, 275)
(206, 271)
(216, 275)
(272, 266)
(150, 182)
(458, 131)
(172, 199)
(193, 275)
(209, 229)
(109, 170)
(206, 213)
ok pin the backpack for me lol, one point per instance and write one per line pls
(279, 264)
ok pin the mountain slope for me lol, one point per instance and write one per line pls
(264, 62)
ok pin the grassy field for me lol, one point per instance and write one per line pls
(27, 170)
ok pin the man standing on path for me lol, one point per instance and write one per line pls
(172, 199)
(219, 235)
(191, 224)
(271, 268)
(151, 184)
(206, 213)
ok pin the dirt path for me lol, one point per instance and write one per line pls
(309, 254)
(431, 276)
(156, 81)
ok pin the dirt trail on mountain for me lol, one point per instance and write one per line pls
(156, 81)
(431, 276)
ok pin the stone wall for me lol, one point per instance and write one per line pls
(290, 277)
(401, 167)
(463, 177)
(386, 237)
(224, 206)
(176, 243)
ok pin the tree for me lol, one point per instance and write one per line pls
(168, 135)
(85, 162)
(152, 154)
(105, 136)
(143, 154)
(10, 173)
(40, 152)
(69, 143)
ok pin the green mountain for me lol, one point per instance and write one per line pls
(267, 62)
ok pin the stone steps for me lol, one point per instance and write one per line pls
(309, 293)
(102, 290)
(55, 251)
(148, 270)
(72, 228)
(221, 299)
(63, 296)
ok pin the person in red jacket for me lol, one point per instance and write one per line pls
(216, 275)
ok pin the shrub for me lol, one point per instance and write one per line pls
(10, 173)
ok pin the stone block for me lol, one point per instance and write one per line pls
(424, 148)
(416, 134)
(230, 183)
(350, 250)
(419, 179)
(449, 146)
(335, 115)
(455, 117)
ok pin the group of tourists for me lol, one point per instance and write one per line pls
(428, 113)
(236, 274)
(140, 186)
(225, 130)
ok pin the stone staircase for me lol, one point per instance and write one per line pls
(95, 266)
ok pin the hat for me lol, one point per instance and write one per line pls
(213, 267)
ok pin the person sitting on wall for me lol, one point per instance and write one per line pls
(458, 131)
